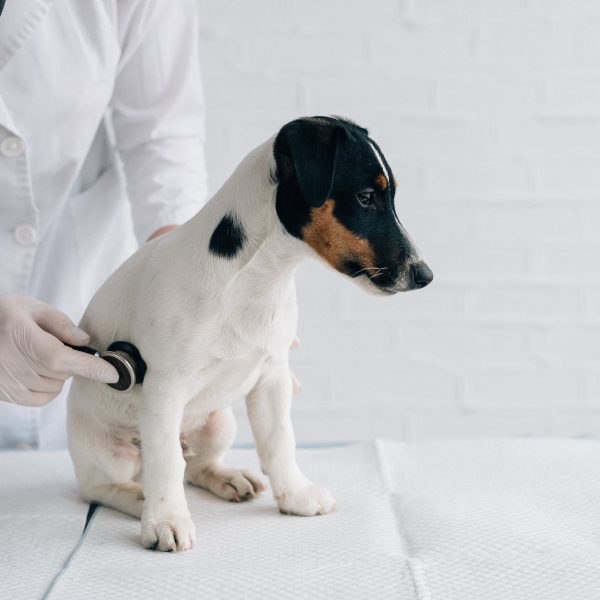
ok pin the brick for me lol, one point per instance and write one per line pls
(308, 53)
(581, 424)
(591, 223)
(462, 344)
(339, 15)
(573, 91)
(218, 55)
(561, 136)
(235, 19)
(590, 46)
(487, 93)
(591, 390)
(556, 11)
(394, 384)
(416, 49)
(565, 177)
(423, 426)
(556, 140)
(576, 344)
(478, 262)
(480, 177)
(440, 225)
(575, 263)
(544, 223)
(534, 44)
(340, 94)
(436, 301)
(336, 340)
(471, 11)
(431, 136)
(324, 427)
(591, 300)
(520, 390)
(224, 94)
(527, 302)
(248, 131)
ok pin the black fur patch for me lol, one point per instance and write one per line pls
(228, 238)
(354, 168)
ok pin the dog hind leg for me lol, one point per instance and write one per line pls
(107, 467)
(126, 497)
(204, 468)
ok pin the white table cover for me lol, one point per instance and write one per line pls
(41, 521)
(472, 520)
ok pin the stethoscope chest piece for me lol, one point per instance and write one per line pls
(128, 362)
(125, 358)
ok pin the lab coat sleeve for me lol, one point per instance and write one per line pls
(158, 112)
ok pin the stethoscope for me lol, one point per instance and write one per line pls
(125, 358)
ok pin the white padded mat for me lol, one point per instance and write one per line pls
(499, 520)
(41, 520)
(473, 520)
(250, 550)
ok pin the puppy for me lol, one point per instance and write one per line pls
(212, 309)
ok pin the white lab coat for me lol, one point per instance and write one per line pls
(79, 78)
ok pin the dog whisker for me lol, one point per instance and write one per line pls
(375, 274)
(378, 269)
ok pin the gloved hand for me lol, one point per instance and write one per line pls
(34, 362)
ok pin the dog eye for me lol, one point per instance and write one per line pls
(366, 198)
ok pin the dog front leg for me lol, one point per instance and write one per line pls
(166, 522)
(268, 406)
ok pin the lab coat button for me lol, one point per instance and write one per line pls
(12, 147)
(25, 234)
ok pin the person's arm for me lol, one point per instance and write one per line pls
(158, 113)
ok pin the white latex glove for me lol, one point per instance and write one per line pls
(34, 362)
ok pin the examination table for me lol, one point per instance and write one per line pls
(457, 520)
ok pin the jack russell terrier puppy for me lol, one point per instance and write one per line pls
(212, 308)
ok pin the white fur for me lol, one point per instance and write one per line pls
(381, 164)
(210, 329)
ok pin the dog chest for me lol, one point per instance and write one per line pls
(226, 379)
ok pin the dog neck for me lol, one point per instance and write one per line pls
(267, 256)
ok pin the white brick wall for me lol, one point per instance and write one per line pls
(489, 113)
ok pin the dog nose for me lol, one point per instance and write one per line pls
(421, 274)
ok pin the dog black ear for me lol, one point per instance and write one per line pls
(306, 150)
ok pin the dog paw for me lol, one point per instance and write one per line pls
(306, 502)
(167, 535)
(230, 484)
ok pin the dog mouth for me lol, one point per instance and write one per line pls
(377, 275)
(380, 280)
(386, 280)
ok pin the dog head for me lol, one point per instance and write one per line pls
(336, 193)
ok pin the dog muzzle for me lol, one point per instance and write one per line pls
(125, 358)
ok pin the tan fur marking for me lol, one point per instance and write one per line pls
(334, 242)
(381, 181)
